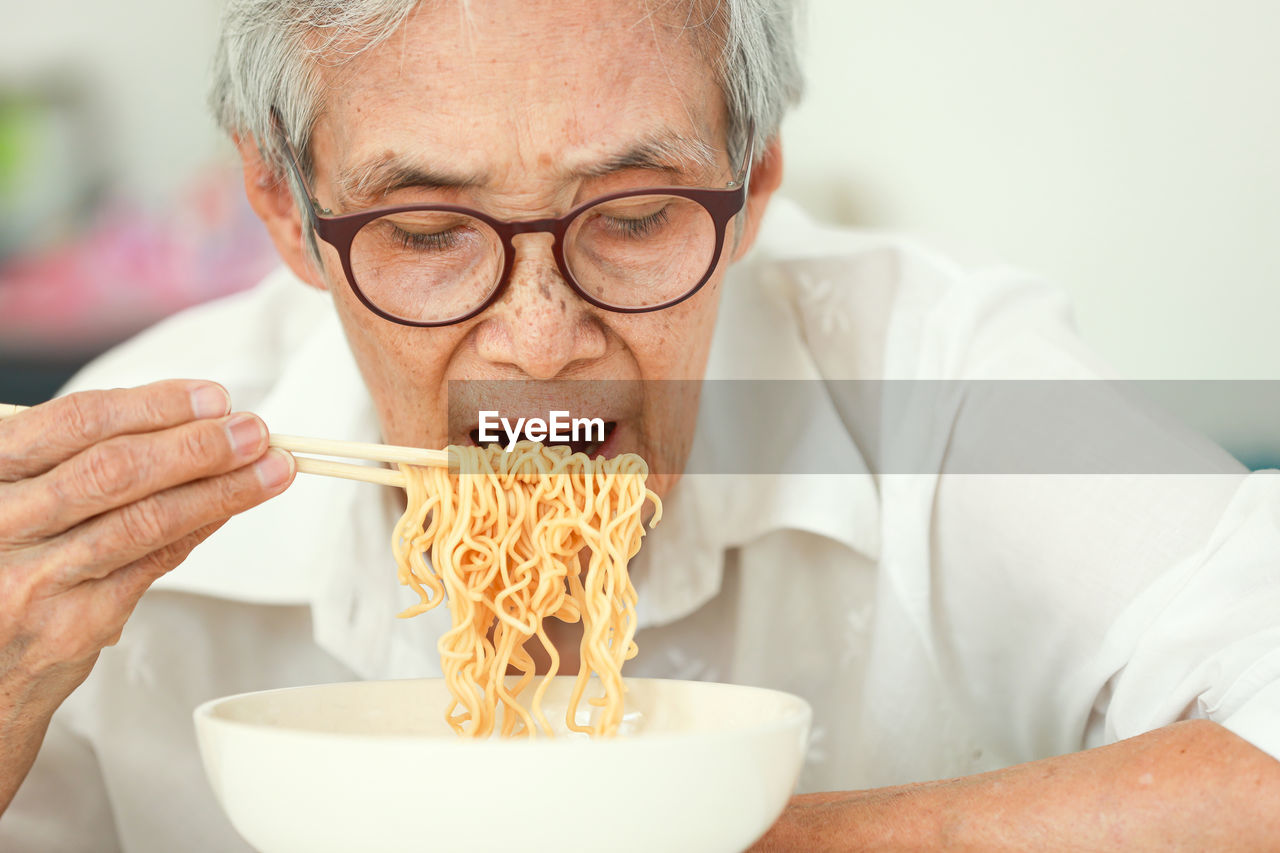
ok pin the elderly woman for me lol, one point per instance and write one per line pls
(1083, 662)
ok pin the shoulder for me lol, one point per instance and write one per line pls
(876, 304)
(242, 341)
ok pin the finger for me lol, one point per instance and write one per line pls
(93, 614)
(127, 584)
(117, 595)
(126, 469)
(115, 539)
(36, 440)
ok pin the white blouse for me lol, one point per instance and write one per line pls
(940, 624)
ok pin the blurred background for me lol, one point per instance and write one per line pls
(1127, 152)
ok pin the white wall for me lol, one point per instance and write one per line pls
(1129, 151)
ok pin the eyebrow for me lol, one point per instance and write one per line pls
(373, 180)
(668, 152)
(664, 152)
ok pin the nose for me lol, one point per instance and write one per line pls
(539, 326)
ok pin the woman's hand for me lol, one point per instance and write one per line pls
(101, 493)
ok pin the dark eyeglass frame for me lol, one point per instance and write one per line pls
(339, 231)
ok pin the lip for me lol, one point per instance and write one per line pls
(609, 448)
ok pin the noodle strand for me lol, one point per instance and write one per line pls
(504, 534)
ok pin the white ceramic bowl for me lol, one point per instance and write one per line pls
(372, 766)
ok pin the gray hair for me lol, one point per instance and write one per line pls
(270, 54)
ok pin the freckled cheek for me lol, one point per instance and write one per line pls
(378, 345)
(404, 369)
(673, 344)
(411, 396)
(392, 346)
(665, 359)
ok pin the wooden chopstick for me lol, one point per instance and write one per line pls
(361, 450)
(383, 476)
(299, 445)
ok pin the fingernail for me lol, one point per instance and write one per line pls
(274, 468)
(246, 434)
(210, 401)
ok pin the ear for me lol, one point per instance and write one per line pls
(766, 177)
(270, 198)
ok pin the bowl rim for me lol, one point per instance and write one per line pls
(801, 716)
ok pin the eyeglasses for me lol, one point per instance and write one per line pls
(437, 264)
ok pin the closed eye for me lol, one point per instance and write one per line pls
(636, 227)
(435, 241)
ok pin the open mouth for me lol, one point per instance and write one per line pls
(591, 448)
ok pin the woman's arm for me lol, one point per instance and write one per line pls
(1188, 786)
(101, 493)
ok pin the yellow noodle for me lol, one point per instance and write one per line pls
(504, 532)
